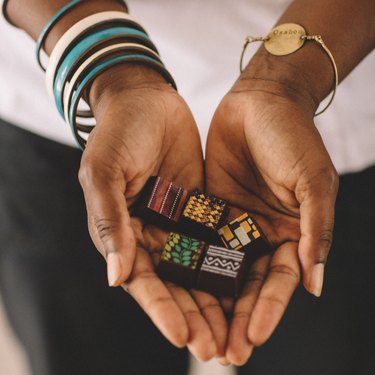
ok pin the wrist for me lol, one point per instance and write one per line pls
(124, 77)
(304, 77)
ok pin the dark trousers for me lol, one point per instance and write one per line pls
(53, 282)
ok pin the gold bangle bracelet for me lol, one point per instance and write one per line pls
(286, 39)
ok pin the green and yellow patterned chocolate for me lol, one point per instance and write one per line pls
(182, 250)
(180, 260)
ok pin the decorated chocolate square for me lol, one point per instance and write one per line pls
(223, 271)
(180, 259)
(202, 215)
(239, 233)
(161, 197)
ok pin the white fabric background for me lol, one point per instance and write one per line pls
(200, 42)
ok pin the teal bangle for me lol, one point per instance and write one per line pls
(51, 23)
(48, 27)
(78, 52)
(98, 70)
(119, 47)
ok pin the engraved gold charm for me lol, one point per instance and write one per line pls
(285, 39)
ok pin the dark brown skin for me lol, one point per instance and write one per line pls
(281, 174)
(145, 128)
(264, 155)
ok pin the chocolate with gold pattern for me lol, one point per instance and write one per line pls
(239, 233)
(161, 200)
(181, 259)
(223, 272)
(202, 215)
(243, 234)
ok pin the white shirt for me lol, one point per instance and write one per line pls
(200, 42)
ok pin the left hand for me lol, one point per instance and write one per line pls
(264, 155)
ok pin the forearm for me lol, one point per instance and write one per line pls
(347, 28)
(32, 15)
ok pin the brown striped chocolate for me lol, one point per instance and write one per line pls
(164, 197)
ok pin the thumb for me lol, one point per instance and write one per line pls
(317, 207)
(108, 218)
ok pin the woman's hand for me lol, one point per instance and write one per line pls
(265, 156)
(145, 128)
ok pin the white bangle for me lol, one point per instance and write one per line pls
(71, 34)
(68, 89)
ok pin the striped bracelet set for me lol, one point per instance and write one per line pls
(90, 47)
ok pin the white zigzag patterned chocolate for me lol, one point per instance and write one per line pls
(222, 261)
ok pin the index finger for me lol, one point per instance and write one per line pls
(239, 347)
(282, 280)
(157, 301)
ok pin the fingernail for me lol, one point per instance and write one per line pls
(316, 281)
(113, 268)
(223, 361)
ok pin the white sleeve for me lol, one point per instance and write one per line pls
(2, 4)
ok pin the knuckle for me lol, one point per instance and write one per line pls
(274, 301)
(191, 314)
(325, 242)
(206, 310)
(256, 277)
(171, 286)
(331, 178)
(86, 171)
(241, 315)
(285, 270)
(324, 181)
(95, 173)
(157, 303)
(105, 228)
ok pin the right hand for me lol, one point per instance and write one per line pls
(145, 128)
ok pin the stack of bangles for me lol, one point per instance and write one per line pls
(102, 40)
(90, 47)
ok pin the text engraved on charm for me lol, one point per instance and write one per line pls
(285, 39)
